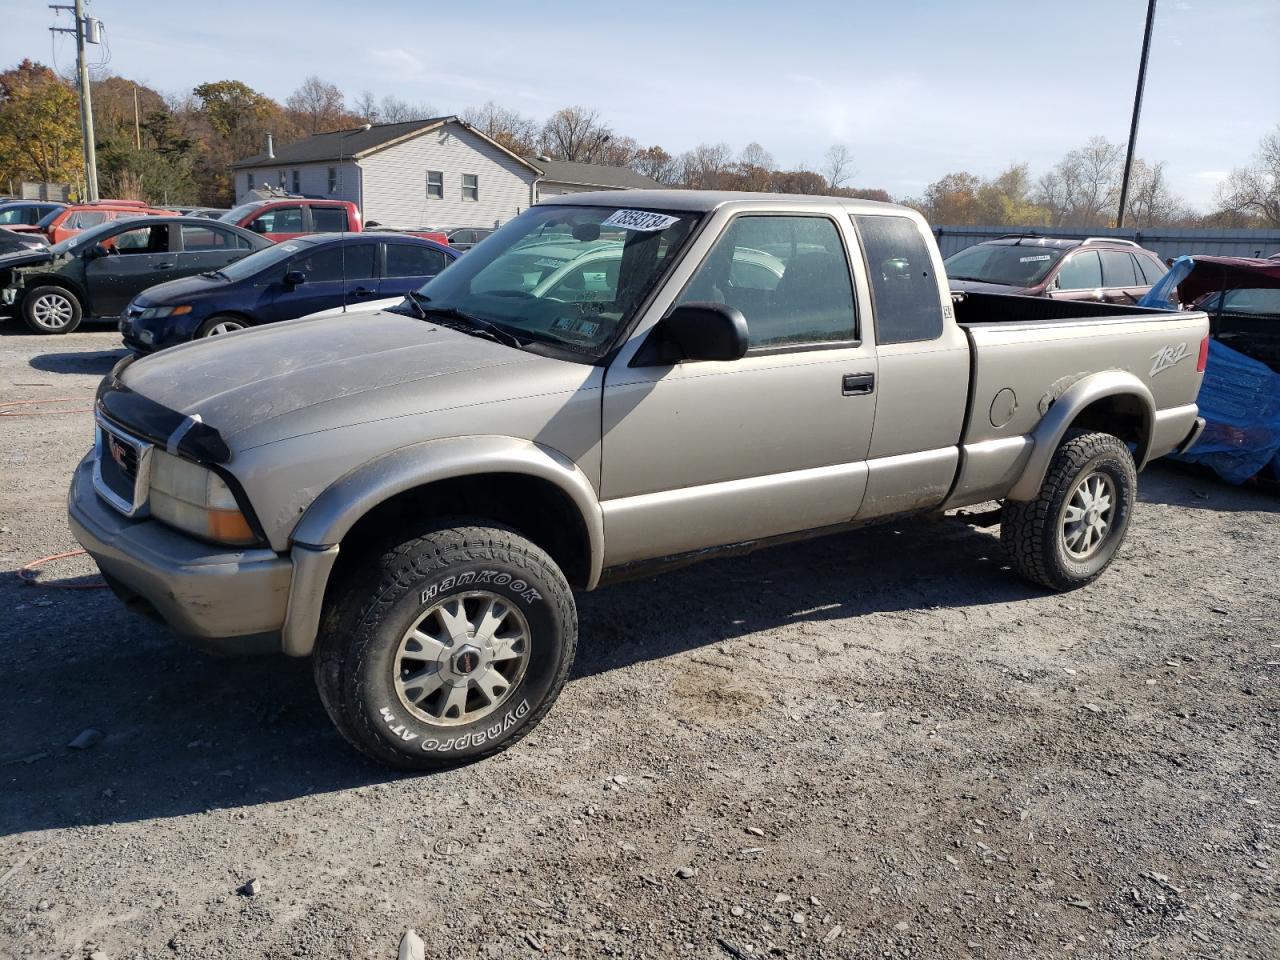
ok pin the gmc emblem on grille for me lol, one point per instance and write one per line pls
(116, 448)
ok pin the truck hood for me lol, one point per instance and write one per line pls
(303, 376)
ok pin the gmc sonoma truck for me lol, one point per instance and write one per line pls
(612, 383)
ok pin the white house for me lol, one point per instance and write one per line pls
(440, 172)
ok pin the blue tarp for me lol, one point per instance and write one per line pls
(1163, 295)
(1240, 401)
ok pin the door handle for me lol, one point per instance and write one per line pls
(361, 292)
(164, 266)
(858, 384)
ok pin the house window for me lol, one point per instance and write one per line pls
(470, 186)
(297, 181)
(435, 185)
(248, 180)
(333, 179)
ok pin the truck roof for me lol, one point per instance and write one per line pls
(703, 201)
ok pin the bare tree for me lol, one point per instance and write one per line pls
(1084, 187)
(512, 129)
(317, 106)
(754, 155)
(1255, 190)
(838, 166)
(575, 133)
(704, 167)
(365, 107)
(394, 110)
(1152, 202)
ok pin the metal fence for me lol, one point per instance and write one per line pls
(45, 191)
(1165, 241)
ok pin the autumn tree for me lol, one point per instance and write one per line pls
(39, 127)
(317, 107)
(656, 164)
(1254, 191)
(512, 129)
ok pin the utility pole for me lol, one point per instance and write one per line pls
(137, 128)
(84, 26)
(1137, 111)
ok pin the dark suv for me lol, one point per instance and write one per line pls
(1096, 268)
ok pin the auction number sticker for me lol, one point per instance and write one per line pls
(1035, 259)
(640, 220)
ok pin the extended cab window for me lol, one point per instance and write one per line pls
(1081, 272)
(904, 287)
(788, 275)
(328, 219)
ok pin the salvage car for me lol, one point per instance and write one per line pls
(27, 213)
(1096, 268)
(288, 280)
(411, 499)
(97, 272)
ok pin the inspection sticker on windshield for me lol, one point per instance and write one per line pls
(1034, 259)
(640, 220)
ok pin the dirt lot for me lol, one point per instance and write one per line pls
(875, 745)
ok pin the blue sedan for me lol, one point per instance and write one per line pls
(291, 279)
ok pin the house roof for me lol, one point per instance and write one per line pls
(359, 142)
(592, 174)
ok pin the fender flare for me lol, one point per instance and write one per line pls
(318, 535)
(1049, 432)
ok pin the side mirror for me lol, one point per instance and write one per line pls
(372, 223)
(294, 277)
(702, 331)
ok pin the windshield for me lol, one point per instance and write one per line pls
(257, 262)
(236, 214)
(564, 275)
(1011, 265)
(49, 217)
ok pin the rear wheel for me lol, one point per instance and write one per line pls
(220, 324)
(51, 310)
(1070, 532)
(448, 647)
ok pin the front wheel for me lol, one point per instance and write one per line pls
(1070, 532)
(51, 310)
(447, 648)
(220, 324)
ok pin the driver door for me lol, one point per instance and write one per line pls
(703, 454)
(137, 257)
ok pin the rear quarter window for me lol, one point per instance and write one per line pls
(904, 288)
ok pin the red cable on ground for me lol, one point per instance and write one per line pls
(42, 413)
(27, 574)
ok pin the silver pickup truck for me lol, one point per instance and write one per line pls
(611, 383)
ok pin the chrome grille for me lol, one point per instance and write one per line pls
(121, 468)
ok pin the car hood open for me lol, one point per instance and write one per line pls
(25, 258)
(303, 376)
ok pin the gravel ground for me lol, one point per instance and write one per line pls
(873, 745)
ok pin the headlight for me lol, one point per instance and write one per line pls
(195, 499)
(158, 312)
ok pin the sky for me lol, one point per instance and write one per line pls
(914, 88)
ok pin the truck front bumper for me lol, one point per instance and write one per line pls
(225, 599)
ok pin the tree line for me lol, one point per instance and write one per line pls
(177, 149)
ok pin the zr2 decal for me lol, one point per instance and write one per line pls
(1167, 356)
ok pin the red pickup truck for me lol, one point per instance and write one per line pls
(291, 217)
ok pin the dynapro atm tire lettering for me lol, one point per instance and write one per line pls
(476, 738)
(494, 578)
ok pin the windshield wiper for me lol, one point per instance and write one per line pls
(215, 273)
(1003, 283)
(468, 323)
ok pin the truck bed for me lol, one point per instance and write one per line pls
(981, 308)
